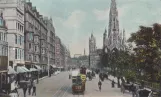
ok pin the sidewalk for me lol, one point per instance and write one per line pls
(20, 91)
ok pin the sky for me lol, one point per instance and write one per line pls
(75, 20)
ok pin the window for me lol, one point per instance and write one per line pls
(16, 39)
(0, 36)
(20, 53)
(20, 40)
(29, 57)
(15, 53)
(29, 45)
(35, 48)
(30, 36)
(22, 28)
(4, 37)
(35, 59)
(18, 26)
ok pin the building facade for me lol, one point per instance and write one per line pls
(3, 51)
(35, 38)
(62, 55)
(92, 51)
(3, 36)
(32, 35)
(51, 40)
(13, 13)
(43, 43)
(57, 51)
(115, 38)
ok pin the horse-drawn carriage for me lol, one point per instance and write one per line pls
(136, 90)
(129, 87)
(144, 93)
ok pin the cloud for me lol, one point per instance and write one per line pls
(101, 14)
(75, 19)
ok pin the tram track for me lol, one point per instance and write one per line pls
(62, 91)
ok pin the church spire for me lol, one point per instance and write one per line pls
(124, 37)
(84, 52)
(113, 28)
(104, 38)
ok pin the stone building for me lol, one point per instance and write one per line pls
(92, 51)
(115, 38)
(51, 40)
(3, 37)
(13, 13)
(3, 52)
(35, 38)
(57, 51)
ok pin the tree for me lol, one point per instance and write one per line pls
(148, 43)
(104, 57)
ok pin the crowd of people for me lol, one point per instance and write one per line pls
(26, 87)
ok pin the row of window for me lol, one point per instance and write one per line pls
(19, 39)
(3, 36)
(36, 58)
(19, 53)
(31, 37)
(33, 21)
(20, 27)
(36, 47)
(3, 50)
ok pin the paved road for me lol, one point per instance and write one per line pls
(107, 91)
(52, 87)
(60, 86)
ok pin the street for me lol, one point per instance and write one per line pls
(60, 86)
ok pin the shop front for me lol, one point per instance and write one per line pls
(3, 74)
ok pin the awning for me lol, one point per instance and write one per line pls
(38, 67)
(25, 69)
(54, 66)
(20, 69)
(33, 69)
(60, 67)
(11, 70)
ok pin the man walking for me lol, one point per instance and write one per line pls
(30, 86)
(24, 89)
(99, 85)
(34, 90)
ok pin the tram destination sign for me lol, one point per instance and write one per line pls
(3, 63)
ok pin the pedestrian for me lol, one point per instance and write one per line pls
(113, 84)
(24, 89)
(30, 86)
(16, 87)
(34, 90)
(99, 85)
(133, 89)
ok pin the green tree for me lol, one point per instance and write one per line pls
(147, 50)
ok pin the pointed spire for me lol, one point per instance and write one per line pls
(113, 4)
(124, 37)
(105, 30)
(92, 34)
(84, 51)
